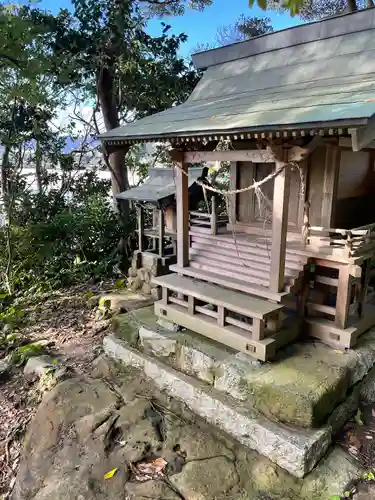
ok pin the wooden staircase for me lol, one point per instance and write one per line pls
(241, 264)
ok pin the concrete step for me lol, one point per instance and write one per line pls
(295, 450)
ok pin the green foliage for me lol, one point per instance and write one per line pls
(21, 354)
(312, 9)
(63, 244)
(120, 284)
(11, 316)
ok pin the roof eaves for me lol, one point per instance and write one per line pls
(337, 127)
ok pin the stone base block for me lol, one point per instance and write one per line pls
(302, 386)
(296, 450)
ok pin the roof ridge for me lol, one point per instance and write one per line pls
(330, 27)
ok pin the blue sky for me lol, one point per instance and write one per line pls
(202, 26)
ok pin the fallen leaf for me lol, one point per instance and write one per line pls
(146, 471)
(111, 473)
(358, 419)
(354, 441)
(367, 436)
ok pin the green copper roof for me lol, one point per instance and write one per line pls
(316, 75)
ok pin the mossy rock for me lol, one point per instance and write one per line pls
(303, 388)
(126, 326)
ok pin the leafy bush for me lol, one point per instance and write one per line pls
(58, 241)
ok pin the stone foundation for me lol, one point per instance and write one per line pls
(288, 410)
(145, 266)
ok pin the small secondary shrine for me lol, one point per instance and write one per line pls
(297, 107)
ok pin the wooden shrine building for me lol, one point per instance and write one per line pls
(296, 107)
(158, 192)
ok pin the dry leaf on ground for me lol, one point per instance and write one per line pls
(146, 471)
(110, 473)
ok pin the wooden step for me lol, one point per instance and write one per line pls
(230, 274)
(232, 300)
(261, 251)
(245, 273)
(205, 222)
(249, 258)
(295, 250)
(246, 264)
(231, 283)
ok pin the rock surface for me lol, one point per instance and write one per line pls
(123, 300)
(86, 427)
(38, 366)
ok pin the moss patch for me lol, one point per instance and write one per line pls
(304, 387)
(126, 326)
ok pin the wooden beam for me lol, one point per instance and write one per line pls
(279, 229)
(330, 183)
(141, 227)
(343, 297)
(346, 142)
(213, 218)
(233, 186)
(192, 304)
(258, 329)
(161, 232)
(255, 155)
(362, 137)
(221, 313)
(182, 203)
(268, 155)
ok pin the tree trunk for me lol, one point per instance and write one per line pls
(5, 172)
(351, 6)
(116, 159)
(38, 166)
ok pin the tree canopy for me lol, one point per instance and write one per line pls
(313, 9)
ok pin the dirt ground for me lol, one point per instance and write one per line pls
(68, 328)
(73, 336)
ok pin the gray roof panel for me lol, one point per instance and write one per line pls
(160, 184)
(329, 82)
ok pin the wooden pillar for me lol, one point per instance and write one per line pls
(192, 303)
(141, 225)
(182, 202)
(330, 183)
(161, 229)
(213, 215)
(221, 313)
(279, 228)
(233, 186)
(365, 278)
(343, 297)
